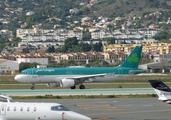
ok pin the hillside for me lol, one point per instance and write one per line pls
(126, 8)
(57, 12)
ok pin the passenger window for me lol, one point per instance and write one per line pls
(28, 109)
(15, 108)
(2, 108)
(34, 109)
(21, 109)
(8, 108)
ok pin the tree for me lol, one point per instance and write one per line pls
(23, 66)
(86, 36)
(98, 47)
(26, 50)
(110, 40)
(16, 39)
(164, 35)
(51, 49)
(85, 47)
(70, 43)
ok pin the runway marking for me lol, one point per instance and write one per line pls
(112, 107)
(129, 112)
(93, 105)
(109, 109)
(101, 118)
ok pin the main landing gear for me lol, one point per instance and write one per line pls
(81, 87)
(73, 87)
(33, 87)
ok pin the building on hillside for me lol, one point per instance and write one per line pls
(151, 49)
(43, 60)
(8, 66)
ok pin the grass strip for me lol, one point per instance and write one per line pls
(49, 96)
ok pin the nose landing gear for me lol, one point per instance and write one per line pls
(33, 87)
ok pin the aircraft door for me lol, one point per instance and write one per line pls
(34, 74)
(64, 116)
(120, 72)
(3, 110)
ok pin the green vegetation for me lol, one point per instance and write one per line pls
(25, 65)
(84, 96)
(164, 35)
(73, 45)
(56, 12)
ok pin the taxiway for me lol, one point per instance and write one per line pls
(116, 108)
(63, 92)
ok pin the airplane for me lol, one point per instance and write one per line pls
(162, 90)
(72, 76)
(37, 111)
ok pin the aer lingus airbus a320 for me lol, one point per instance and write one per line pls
(72, 76)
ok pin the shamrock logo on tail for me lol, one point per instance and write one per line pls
(133, 58)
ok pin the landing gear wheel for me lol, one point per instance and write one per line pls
(32, 87)
(82, 87)
(73, 87)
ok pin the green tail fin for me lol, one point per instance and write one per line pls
(132, 61)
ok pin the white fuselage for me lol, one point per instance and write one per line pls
(37, 111)
(57, 78)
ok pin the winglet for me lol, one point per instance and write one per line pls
(132, 61)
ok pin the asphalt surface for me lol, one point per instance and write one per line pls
(116, 108)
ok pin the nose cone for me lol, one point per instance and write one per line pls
(77, 116)
(17, 78)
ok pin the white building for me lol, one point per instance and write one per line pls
(30, 13)
(40, 60)
(8, 65)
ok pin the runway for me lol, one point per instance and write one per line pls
(64, 92)
(116, 108)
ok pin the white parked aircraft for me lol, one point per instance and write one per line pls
(36, 111)
(162, 90)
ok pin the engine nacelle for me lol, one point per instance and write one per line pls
(53, 84)
(67, 82)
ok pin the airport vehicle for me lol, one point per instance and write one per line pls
(37, 111)
(162, 90)
(72, 76)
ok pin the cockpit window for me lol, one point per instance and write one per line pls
(59, 108)
(23, 73)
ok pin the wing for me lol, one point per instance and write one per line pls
(85, 78)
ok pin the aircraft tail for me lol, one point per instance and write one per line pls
(162, 90)
(132, 61)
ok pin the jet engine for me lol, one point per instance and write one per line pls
(53, 84)
(67, 82)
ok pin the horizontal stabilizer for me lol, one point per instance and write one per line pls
(5, 98)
